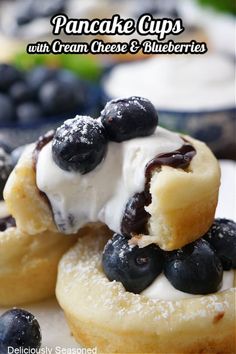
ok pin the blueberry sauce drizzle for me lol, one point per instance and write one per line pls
(42, 141)
(135, 219)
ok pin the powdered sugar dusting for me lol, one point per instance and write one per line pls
(222, 228)
(125, 102)
(82, 272)
(83, 125)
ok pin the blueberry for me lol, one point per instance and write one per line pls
(222, 237)
(129, 118)
(20, 92)
(134, 267)
(79, 144)
(66, 77)
(5, 169)
(194, 269)
(8, 75)
(70, 80)
(29, 112)
(7, 112)
(19, 329)
(57, 97)
(38, 76)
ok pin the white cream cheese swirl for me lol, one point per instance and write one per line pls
(102, 194)
(162, 289)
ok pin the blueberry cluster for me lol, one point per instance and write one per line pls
(80, 144)
(41, 93)
(196, 268)
(19, 329)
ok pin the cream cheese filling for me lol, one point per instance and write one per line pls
(162, 289)
(102, 194)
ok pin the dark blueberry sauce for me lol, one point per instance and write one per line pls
(42, 141)
(180, 158)
(135, 217)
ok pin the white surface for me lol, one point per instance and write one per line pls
(54, 328)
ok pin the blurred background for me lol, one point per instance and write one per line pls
(193, 94)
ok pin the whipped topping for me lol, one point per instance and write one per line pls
(102, 194)
(162, 289)
(186, 83)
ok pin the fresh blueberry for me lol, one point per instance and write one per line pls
(222, 237)
(19, 329)
(134, 267)
(29, 112)
(194, 269)
(79, 144)
(38, 76)
(129, 118)
(66, 77)
(57, 97)
(20, 92)
(8, 75)
(16, 154)
(70, 80)
(7, 112)
(5, 169)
